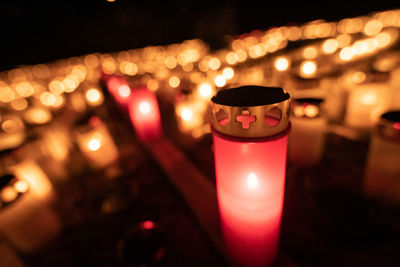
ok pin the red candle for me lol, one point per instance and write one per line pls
(119, 89)
(250, 146)
(145, 114)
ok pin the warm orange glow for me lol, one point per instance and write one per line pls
(94, 96)
(59, 101)
(383, 39)
(310, 52)
(214, 63)
(6, 94)
(308, 68)
(186, 114)
(48, 99)
(228, 73)
(128, 68)
(24, 89)
(108, 65)
(373, 27)
(10, 126)
(358, 77)
(237, 44)
(311, 111)
(205, 91)
(8, 194)
(330, 46)
(171, 62)
(368, 99)
(56, 87)
(94, 144)
(70, 82)
(41, 71)
(174, 82)
(91, 61)
(29, 172)
(220, 81)
(19, 104)
(241, 55)
(153, 85)
(257, 51)
(343, 40)
(80, 72)
(21, 186)
(231, 58)
(282, 63)
(188, 67)
(298, 111)
(37, 115)
(346, 54)
(359, 48)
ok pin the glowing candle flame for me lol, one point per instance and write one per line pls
(252, 181)
(186, 114)
(94, 144)
(124, 91)
(144, 107)
(282, 63)
(21, 186)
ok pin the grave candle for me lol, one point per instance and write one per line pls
(250, 126)
(119, 89)
(95, 142)
(26, 218)
(307, 138)
(145, 114)
(382, 169)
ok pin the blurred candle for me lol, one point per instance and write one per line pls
(145, 114)
(190, 114)
(26, 218)
(307, 138)
(119, 89)
(250, 126)
(383, 169)
(12, 131)
(96, 143)
(366, 103)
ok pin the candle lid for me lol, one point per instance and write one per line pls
(389, 126)
(251, 111)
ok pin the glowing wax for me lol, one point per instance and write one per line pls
(145, 114)
(250, 188)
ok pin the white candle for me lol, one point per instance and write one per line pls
(27, 221)
(382, 171)
(307, 137)
(96, 143)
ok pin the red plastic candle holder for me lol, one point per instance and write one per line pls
(250, 126)
(145, 114)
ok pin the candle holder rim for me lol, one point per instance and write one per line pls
(250, 96)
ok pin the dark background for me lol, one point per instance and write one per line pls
(42, 31)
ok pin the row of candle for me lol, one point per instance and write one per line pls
(189, 75)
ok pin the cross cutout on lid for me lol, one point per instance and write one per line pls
(245, 119)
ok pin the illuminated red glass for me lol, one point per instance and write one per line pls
(119, 89)
(250, 177)
(145, 114)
